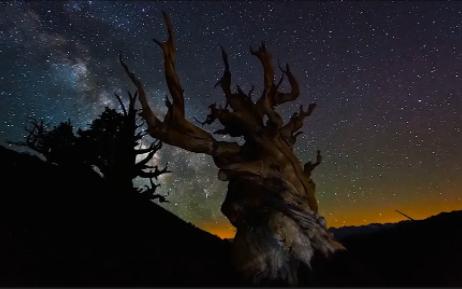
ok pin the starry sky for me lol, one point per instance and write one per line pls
(387, 78)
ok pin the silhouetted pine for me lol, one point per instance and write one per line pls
(112, 144)
(57, 145)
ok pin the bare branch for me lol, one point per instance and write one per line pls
(309, 166)
(268, 73)
(150, 192)
(281, 97)
(178, 132)
(265, 104)
(289, 131)
(147, 113)
(155, 146)
(175, 129)
(121, 103)
(173, 81)
(155, 173)
(225, 81)
(240, 102)
(131, 104)
(142, 164)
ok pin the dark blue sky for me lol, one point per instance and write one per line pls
(386, 77)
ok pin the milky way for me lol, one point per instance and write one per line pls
(386, 77)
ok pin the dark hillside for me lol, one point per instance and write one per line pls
(59, 226)
(418, 253)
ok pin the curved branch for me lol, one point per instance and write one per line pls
(225, 81)
(143, 163)
(268, 73)
(147, 112)
(155, 146)
(289, 131)
(173, 81)
(265, 104)
(155, 173)
(119, 99)
(175, 129)
(235, 124)
(281, 97)
(309, 166)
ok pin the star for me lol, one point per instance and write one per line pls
(385, 76)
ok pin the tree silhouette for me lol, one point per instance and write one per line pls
(112, 143)
(270, 198)
(57, 145)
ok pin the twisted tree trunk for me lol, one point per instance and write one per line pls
(271, 196)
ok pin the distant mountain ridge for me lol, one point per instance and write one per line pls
(419, 253)
(347, 231)
(354, 231)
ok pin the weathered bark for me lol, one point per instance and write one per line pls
(271, 196)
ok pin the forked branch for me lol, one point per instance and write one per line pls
(282, 97)
(271, 95)
(175, 129)
(309, 166)
(173, 81)
(290, 131)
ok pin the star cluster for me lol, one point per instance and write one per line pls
(386, 77)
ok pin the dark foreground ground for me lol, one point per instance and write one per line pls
(60, 227)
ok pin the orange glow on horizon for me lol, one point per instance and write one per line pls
(222, 230)
(387, 214)
(225, 230)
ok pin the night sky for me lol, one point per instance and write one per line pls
(387, 78)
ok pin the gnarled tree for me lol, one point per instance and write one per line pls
(271, 198)
(112, 144)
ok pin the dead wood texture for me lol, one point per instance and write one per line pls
(271, 196)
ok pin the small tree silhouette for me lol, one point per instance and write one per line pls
(112, 143)
(57, 145)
